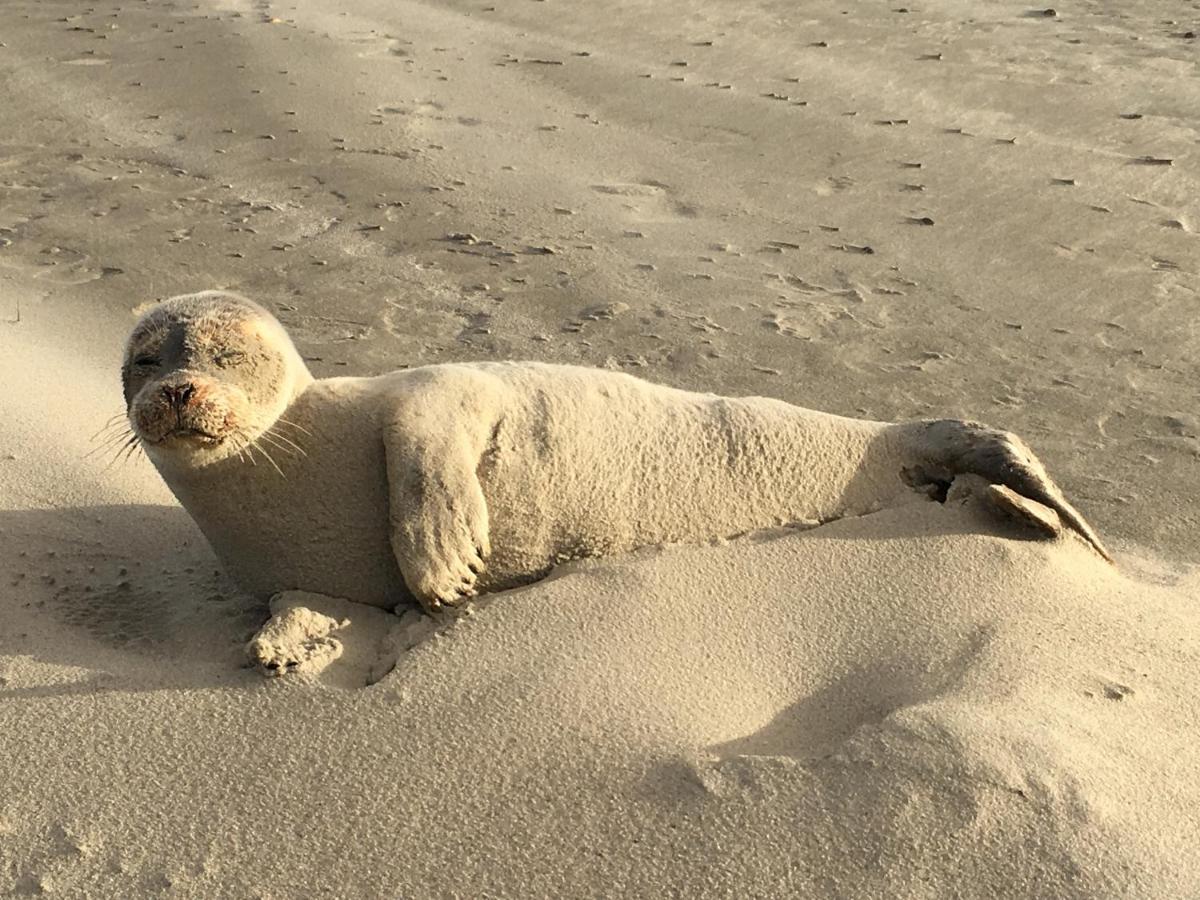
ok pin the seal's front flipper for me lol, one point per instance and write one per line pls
(439, 517)
(295, 640)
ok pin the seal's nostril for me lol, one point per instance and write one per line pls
(178, 394)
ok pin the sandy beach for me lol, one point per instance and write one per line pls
(979, 211)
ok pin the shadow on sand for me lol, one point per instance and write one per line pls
(119, 593)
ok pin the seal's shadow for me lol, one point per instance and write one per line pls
(120, 591)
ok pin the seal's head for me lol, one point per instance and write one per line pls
(206, 375)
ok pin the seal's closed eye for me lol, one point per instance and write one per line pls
(147, 362)
(226, 358)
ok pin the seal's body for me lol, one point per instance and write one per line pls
(542, 463)
(442, 481)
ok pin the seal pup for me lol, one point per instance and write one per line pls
(439, 482)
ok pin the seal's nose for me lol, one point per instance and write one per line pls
(178, 394)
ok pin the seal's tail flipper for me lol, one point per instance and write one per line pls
(954, 447)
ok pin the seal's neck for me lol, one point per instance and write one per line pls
(302, 380)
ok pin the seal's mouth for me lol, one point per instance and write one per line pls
(192, 416)
(190, 435)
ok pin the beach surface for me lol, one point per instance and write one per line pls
(980, 211)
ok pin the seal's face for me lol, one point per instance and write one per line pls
(206, 375)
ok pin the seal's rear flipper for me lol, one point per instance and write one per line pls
(1019, 481)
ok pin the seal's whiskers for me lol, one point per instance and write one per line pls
(115, 421)
(117, 440)
(241, 445)
(135, 446)
(282, 421)
(251, 445)
(270, 459)
(282, 441)
(125, 451)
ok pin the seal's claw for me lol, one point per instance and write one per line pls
(439, 570)
(459, 596)
(441, 540)
(295, 640)
(445, 588)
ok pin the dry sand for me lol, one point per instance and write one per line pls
(907, 704)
